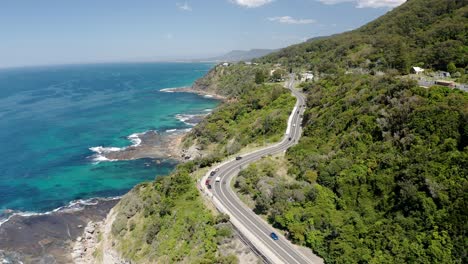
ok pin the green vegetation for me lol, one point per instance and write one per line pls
(380, 175)
(257, 114)
(232, 81)
(166, 220)
(427, 33)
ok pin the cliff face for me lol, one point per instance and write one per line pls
(208, 83)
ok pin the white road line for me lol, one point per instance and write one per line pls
(246, 214)
(246, 217)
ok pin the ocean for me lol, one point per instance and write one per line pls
(51, 118)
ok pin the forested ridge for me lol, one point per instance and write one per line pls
(427, 33)
(380, 174)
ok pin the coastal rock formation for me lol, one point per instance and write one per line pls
(84, 246)
(48, 238)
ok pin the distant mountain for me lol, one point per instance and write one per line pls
(242, 55)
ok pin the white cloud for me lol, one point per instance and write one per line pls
(184, 6)
(251, 3)
(367, 3)
(290, 20)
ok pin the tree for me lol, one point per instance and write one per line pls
(278, 75)
(260, 77)
(451, 67)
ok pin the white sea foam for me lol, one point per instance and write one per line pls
(172, 90)
(208, 110)
(99, 157)
(171, 130)
(208, 96)
(184, 118)
(102, 149)
(166, 90)
(135, 139)
(75, 205)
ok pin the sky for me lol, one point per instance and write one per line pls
(86, 31)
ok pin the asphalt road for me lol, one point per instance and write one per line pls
(254, 228)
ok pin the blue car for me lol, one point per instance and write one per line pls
(274, 236)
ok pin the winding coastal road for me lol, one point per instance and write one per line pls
(252, 227)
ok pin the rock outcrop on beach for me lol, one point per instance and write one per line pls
(49, 238)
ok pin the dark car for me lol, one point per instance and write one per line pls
(274, 236)
(212, 173)
(238, 158)
(289, 139)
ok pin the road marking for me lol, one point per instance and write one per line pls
(249, 158)
(228, 172)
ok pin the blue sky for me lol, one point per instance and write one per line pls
(85, 31)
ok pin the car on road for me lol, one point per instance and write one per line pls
(238, 158)
(289, 139)
(274, 236)
(294, 125)
(212, 173)
(218, 179)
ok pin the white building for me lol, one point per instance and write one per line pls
(226, 64)
(417, 70)
(307, 77)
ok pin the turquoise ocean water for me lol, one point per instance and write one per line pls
(51, 116)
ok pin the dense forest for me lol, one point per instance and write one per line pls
(427, 33)
(379, 176)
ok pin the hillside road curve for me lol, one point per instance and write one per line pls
(253, 227)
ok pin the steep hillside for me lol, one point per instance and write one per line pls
(167, 221)
(379, 176)
(428, 33)
(230, 81)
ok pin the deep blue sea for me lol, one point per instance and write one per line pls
(51, 116)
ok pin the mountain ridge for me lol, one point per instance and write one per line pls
(241, 55)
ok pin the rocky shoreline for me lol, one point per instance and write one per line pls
(48, 238)
(195, 91)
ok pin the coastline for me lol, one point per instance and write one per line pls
(47, 237)
(55, 235)
(194, 91)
